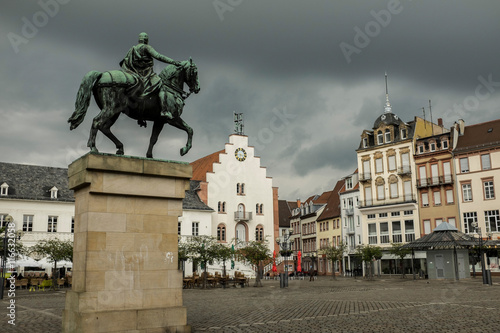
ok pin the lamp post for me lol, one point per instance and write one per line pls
(286, 249)
(483, 271)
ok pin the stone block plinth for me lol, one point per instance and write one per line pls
(125, 276)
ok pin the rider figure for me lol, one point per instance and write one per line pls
(139, 63)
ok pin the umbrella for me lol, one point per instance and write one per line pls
(299, 259)
(275, 269)
(27, 262)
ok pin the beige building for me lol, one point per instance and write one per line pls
(437, 198)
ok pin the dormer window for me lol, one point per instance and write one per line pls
(365, 142)
(445, 144)
(433, 146)
(421, 149)
(380, 137)
(387, 135)
(53, 193)
(348, 183)
(4, 189)
(404, 133)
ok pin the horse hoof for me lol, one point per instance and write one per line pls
(94, 150)
(119, 152)
(184, 151)
(149, 155)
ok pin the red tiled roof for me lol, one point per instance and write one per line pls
(205, 164)
(479, 136)
(332, 208)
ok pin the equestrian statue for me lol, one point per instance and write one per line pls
(137, 91)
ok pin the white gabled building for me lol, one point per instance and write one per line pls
(235, 185)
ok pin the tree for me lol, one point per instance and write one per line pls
(255, 252)
(399, 251)
(224, 253)
(54, 250)
(202, 249)
(368, 253)
(183, 255)
(334, 254)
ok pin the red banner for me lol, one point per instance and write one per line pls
(299, 261)
(275, 269)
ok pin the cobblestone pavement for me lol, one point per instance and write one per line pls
(324, 305)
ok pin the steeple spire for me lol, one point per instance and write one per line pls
(388, 107)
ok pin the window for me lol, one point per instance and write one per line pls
(3, 220)
(387, 135)
(396, 232)
(221, 233)
(179, 228)
(489, 192)
(427, 227)
(437, 198)
(52, 224)
(466, 192)
(394, 190)
(395, 214)
(73, 225)
(4, 189)
(421, 149)
(433, 146)
(259, 233)
(240, 189)
(404, 133)
(425, 199)
(485, 162)
(365, 142)
(449, 196)
(378, 165)
(438, 222)
(409, 231)
(359, 222)
(380, 192)
(392, 162)
(384, 233)
(492, 220)
(382, 215)
(445, 144)
(470, 219)
(371, 216)
(464, 164)
(195, 228)
(451, 220)
(366, 170)
(380, 138)
(222, 207)
(53, 193)
(27, 223)
(408, 212)
(348, 183)
(372, 233)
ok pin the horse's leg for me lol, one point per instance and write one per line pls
(181, 124)
(106, 130)
(157, 127)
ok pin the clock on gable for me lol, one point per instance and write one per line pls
(240, 154)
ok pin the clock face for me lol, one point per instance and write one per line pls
(240, 154)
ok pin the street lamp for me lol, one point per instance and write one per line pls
(483, 270)
(286, 251)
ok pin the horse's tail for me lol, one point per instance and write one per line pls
(83, 98)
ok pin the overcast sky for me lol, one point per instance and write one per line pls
(307, 75)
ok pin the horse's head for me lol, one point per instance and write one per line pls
(191, 76)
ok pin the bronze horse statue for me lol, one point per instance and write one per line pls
(113, 95)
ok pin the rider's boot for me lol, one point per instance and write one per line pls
(164, 107)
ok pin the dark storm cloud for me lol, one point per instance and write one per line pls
(256, 58)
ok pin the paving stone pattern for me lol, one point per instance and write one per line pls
(324, 305)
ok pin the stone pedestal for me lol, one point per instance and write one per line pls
(125, 276)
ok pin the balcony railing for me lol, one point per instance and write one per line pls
(399, 200)
(397, 238)
(349, 211)
(403, 170)
(365, 177)
(435, 181)
(240, 216)
(409, 237)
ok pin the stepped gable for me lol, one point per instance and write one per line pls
(34, 182)
(479, 136)
(332, 208)
(204, 165)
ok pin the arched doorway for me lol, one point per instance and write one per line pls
(241, 234)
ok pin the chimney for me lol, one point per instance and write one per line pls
(440, 122)
(298, 203)
(461, 125)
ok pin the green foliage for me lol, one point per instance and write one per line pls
(55, 250)
(334, 253)
(224, 252)
(368, 253)
(398, 250)
(255, 252)
(203, 249)
(18, 245)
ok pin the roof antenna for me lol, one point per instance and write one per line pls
(430, 111)
(425, 123)
(388, 108)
